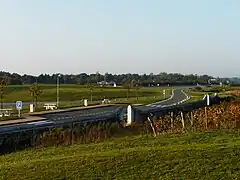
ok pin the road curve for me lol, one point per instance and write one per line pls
(178, 96)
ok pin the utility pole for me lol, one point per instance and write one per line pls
(58, 76)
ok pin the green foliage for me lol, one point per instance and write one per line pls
(35, 91)
(128, 87)
(3, 83)
(83, 78)
(212, 155)
(75, 92)
(198, 88)
(198, 93)
(90, 88)
(5, 118)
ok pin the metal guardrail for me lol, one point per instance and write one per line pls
(186, 106)
(63, 120)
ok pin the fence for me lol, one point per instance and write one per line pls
(143, 113)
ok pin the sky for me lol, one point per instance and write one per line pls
(120, 36)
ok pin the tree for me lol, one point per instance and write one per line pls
(83, 78)
(35, 91)
(90, 88)
(3, 83)
(137, 87)
(128, 87)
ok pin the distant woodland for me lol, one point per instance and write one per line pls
(83, 78)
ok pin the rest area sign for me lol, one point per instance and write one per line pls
(19, 105)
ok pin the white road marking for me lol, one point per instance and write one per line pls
(40, 122)
(154, 104)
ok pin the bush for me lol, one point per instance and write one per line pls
(223, 116)
(87, 133)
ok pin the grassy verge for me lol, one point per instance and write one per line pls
(131, 100)
(76, 92)
(212, 155)
(10, 118)
(197, 95)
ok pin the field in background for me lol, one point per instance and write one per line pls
(196, 151)
(73, 95)
(198, 93)
(209, 155)
(76, 92)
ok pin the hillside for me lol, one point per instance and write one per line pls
(213, 155)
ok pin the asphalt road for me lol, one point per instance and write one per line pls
(178, 96)
(53, 120)
(12, 104)
(88, 115)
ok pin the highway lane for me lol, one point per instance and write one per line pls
(178, 96)
(89, 114)
(58, 119)
(12, 104)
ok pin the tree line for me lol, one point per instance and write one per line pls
(83, 78)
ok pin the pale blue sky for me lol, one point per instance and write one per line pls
(120, 36)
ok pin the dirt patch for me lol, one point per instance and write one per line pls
(234, 92)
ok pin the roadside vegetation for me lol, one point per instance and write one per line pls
(218, 117)
(6, 118)
(73, 95)
(77, 93)
(209, 155)
(202, 144)
(162, 78)
(197, 93)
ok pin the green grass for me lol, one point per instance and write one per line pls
(212, 155)
(198, 95)
(76, 92)
(72, 93)
(10, 118)
(133, 100)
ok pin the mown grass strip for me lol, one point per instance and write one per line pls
(212, 155)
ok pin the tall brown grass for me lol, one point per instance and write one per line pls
(87, 133)
(222, 116)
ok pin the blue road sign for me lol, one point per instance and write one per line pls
(19, 105)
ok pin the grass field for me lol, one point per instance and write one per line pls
(76, 92)
(211, 155)
(198, 95)
(71, 95)
(132, 100)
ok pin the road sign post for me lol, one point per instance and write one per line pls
(19, 107)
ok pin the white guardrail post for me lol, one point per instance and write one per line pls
(130, 115)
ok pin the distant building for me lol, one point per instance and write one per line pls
(111, 83)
